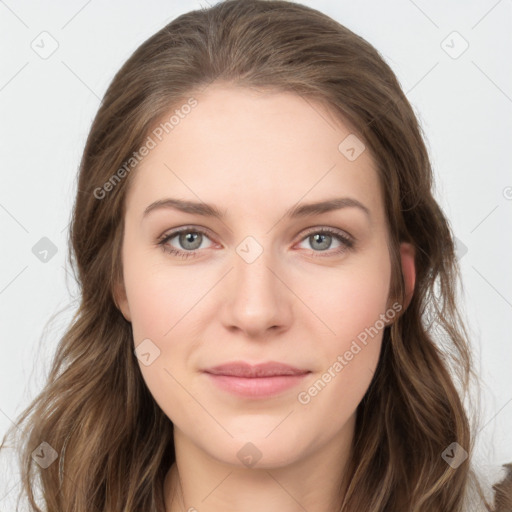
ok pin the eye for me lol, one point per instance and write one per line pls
(189, 238)
(320, 240)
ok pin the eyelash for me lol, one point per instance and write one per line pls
(347, 243)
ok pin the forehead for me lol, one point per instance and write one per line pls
(244, 148)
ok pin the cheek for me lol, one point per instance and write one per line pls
(355, 311)
(349, 356)
(363, 299)
(154, 294)
(158, 313)
(150, 312)
(349, 301)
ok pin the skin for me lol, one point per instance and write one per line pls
(254, 155)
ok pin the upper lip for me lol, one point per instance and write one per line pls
(243, 369)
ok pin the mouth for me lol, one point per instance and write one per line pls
(255, 381)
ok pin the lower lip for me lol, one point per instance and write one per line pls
(256, 387)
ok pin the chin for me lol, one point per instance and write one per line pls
(261, 449)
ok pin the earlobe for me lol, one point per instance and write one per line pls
(121, 301)
(407, 253)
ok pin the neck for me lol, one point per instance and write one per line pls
(315, 482)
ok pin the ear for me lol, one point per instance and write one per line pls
(121, 301)
(407, 253)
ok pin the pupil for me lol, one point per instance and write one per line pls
(189, 238)
(321, 238)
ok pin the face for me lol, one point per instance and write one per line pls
(257, 284)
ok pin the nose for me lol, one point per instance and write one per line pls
(257, 300)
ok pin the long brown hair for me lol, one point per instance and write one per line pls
(114, 445)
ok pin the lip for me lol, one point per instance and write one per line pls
(255, 381)
(243, 369)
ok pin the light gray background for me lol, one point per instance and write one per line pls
(47, 104)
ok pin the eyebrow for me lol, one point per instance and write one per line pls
(304, 210)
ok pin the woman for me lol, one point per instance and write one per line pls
(258, 370)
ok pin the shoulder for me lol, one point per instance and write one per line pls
(503, 490)
(489, 488)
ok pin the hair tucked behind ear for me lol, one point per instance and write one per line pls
(114, 445)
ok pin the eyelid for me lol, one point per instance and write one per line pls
(347, 240)
(186, 228)
(327, 229)
(209, 233)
